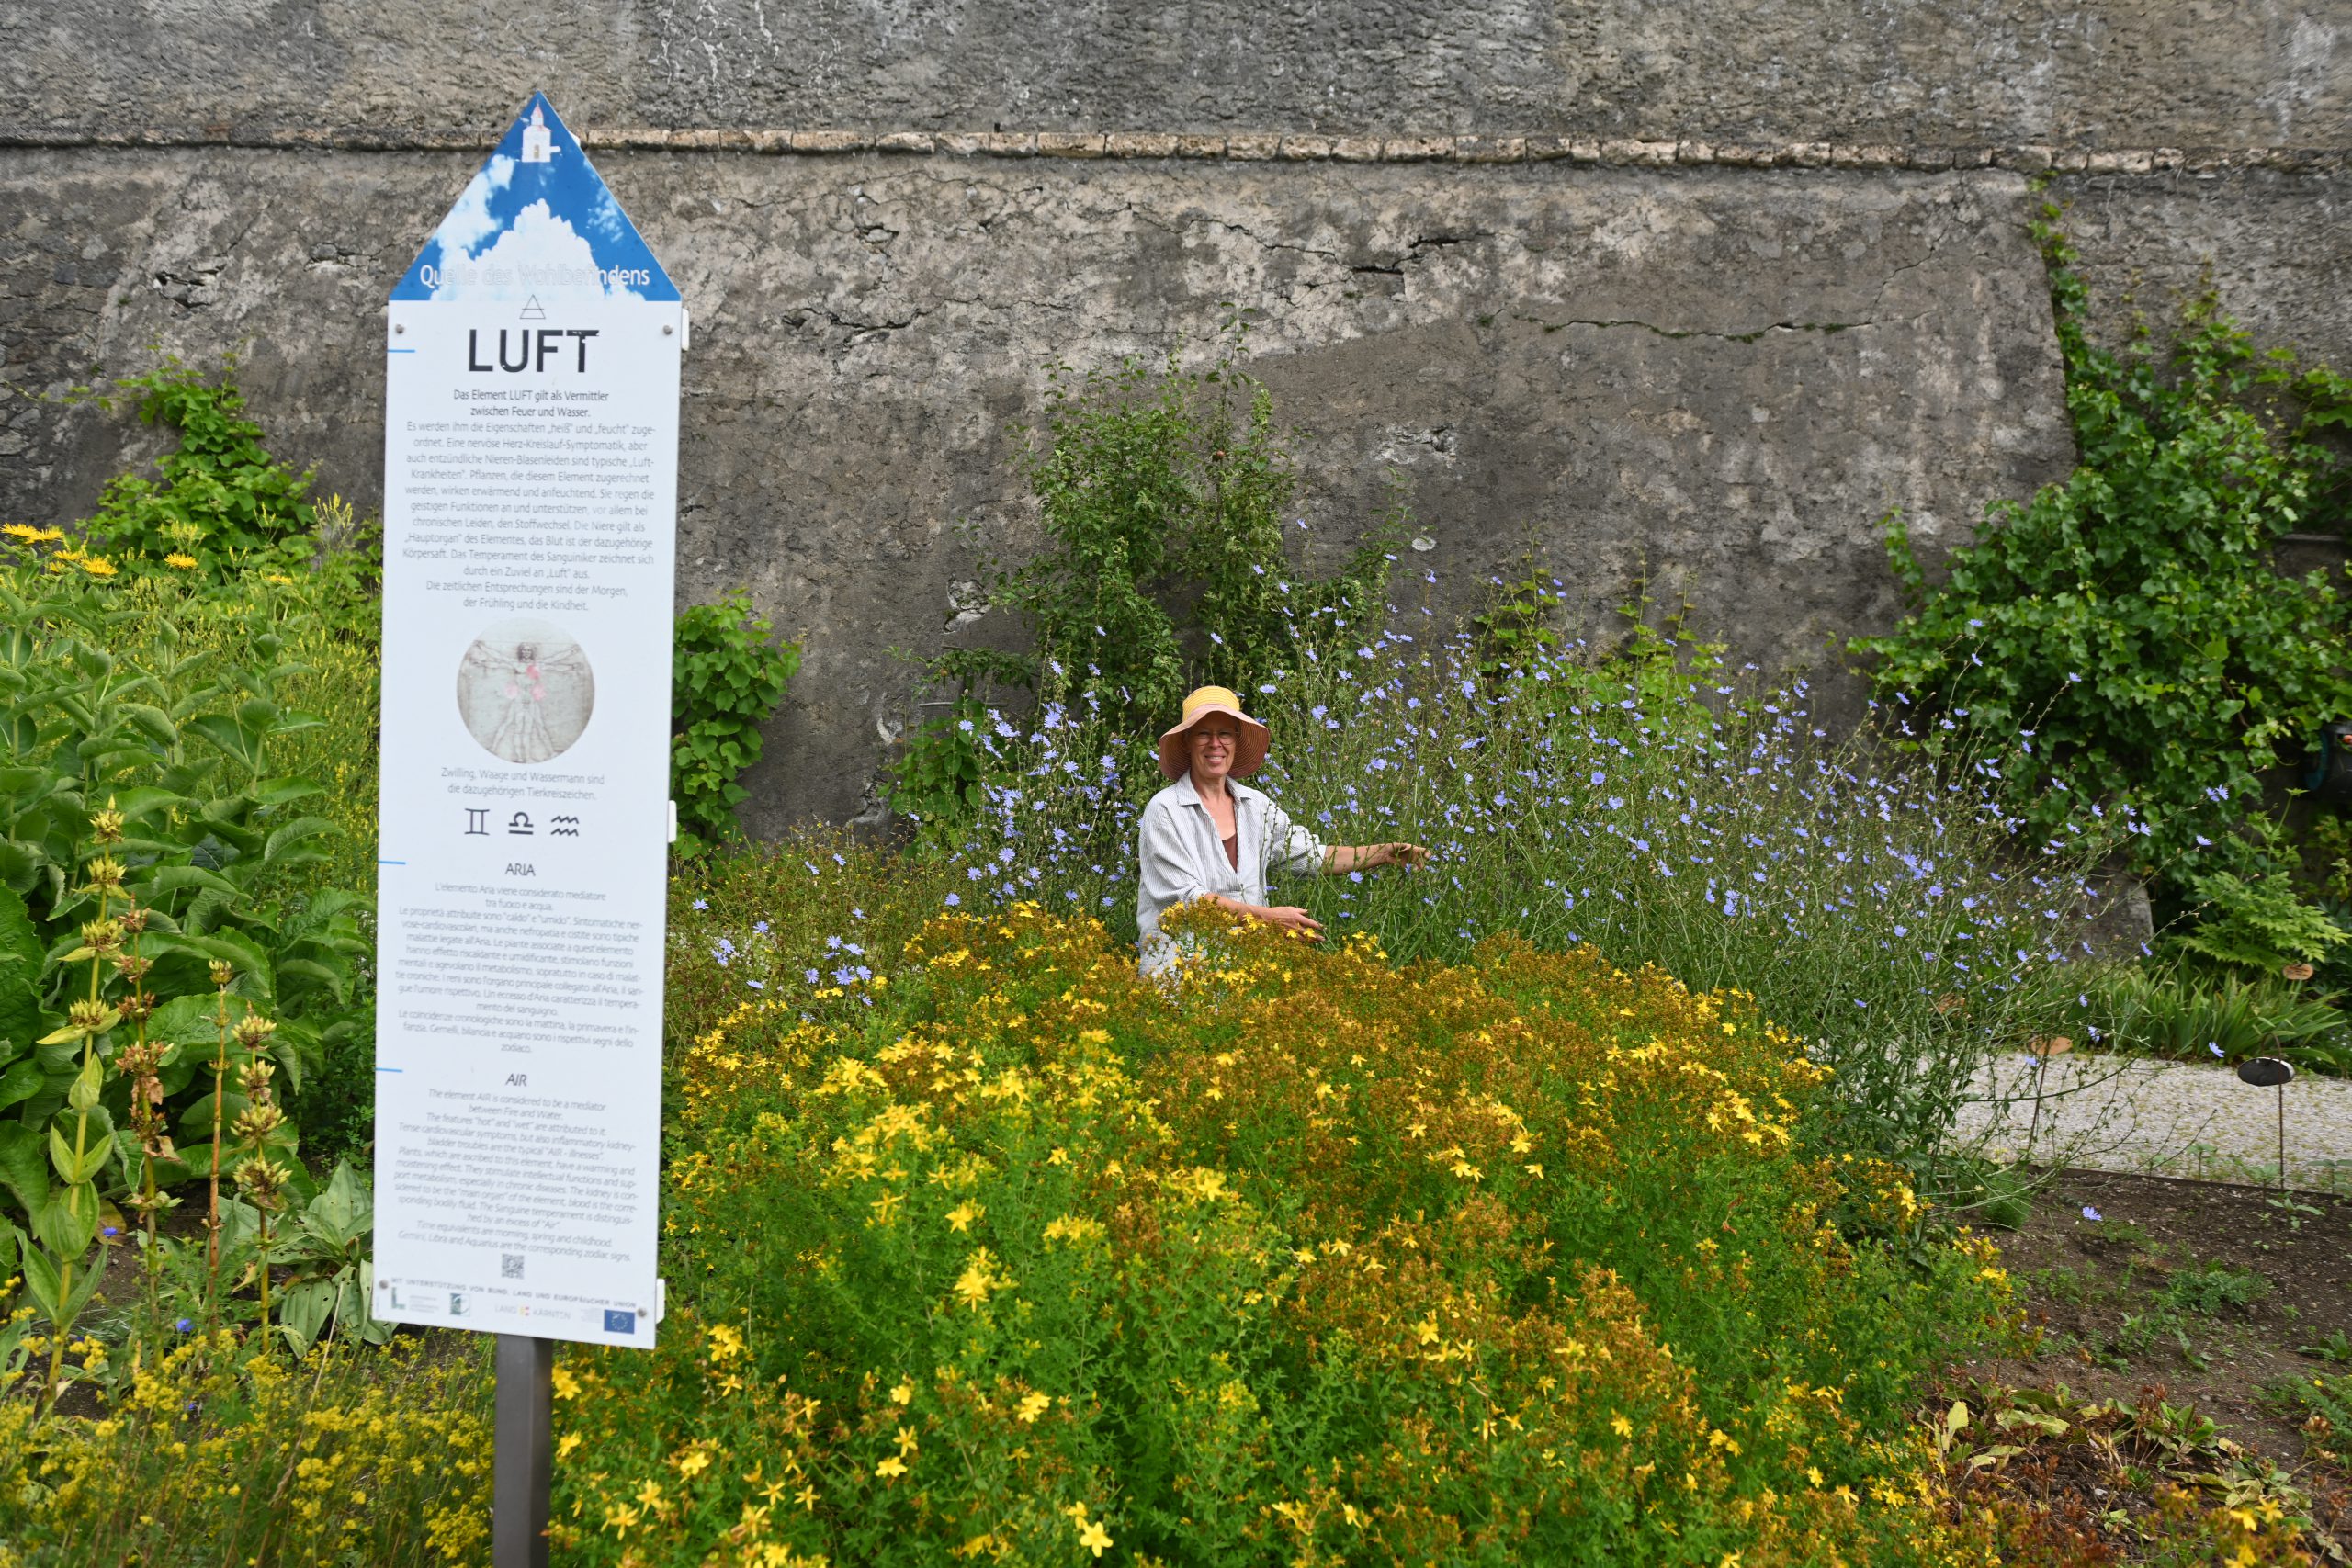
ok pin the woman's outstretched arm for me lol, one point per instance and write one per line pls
(1365, 857)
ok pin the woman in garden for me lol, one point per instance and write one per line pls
(1207, 835)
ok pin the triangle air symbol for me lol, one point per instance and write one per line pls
(533, 310)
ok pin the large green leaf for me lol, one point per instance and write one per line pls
(67, 1220)
(169, 879)
(304, 1310)
(76, 1167)
(281, 845)
(20, 864)
(342, 1212)
(20, 966)
(24, 1166)
(21, 1081)
(237, 738)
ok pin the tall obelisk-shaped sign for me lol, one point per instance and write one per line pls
(530, 489)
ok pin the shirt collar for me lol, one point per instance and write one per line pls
(1187, 796)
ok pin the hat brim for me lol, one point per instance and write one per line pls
(1250, 754)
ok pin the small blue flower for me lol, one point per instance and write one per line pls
(184, 1324)
(699, 904)
(2214, 1047)
(953, 900)
(2091, 1213)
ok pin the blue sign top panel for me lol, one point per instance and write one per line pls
(535, 228)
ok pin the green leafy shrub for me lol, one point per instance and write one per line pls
(2128, 622)
(161, 958)
(726, 677)
(2259, 925)
(1164, 497)
(222, 497)
(2193, 1018)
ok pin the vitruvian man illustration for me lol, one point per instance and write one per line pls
(525, 691)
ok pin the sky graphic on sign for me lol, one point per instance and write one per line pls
(535, 228)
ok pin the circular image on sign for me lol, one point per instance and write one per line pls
(525, 690)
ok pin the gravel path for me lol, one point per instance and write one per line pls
(2163, 1118)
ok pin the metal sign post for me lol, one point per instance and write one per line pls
(524, 1465)
(2269, 1072)
(532, 355)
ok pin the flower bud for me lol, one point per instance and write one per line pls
(222, 972)
(254, 1030)
(106, 827)
(256, 1123)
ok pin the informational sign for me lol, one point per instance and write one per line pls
(530, 489)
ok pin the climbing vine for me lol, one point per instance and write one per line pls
(2127, 625)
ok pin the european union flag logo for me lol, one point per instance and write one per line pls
(619, 1322)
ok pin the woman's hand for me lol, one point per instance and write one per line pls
(1368, 857)
(1291, 919)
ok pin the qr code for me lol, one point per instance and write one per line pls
(510, 1265)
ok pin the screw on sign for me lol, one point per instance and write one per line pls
(2269, 1072)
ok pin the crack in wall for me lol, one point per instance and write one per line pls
(1679, 333)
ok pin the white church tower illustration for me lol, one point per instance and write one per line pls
(538, 143)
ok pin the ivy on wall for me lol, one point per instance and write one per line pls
(2128, 624)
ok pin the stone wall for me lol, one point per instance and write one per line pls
(2105, 73)
(1623, 294)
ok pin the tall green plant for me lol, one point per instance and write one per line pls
(2128, 622)
(147, 925)
(727, 677)
(220, 495)
(1166, 498)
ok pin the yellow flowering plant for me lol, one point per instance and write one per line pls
(1020, 1256)
(351, 1455)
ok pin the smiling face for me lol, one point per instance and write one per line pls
(1212, 745)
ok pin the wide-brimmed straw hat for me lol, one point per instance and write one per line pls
(1208, 702)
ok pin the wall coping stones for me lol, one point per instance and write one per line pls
(1236, 147)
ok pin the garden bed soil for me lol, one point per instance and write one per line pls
(2105, 1317)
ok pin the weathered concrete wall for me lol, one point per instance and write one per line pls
(2102, 73)
(2276, 247)
(1704, 288)
(1729, 375)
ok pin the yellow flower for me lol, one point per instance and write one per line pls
(904, 1394)
(961, 1216)
(1091, 1534)
(891, 1468)
(179, 562)
(980, 1277)
(1031, 1406)
(1620, 1425)
(282, 580)
(693, 1462)
(97, 565)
